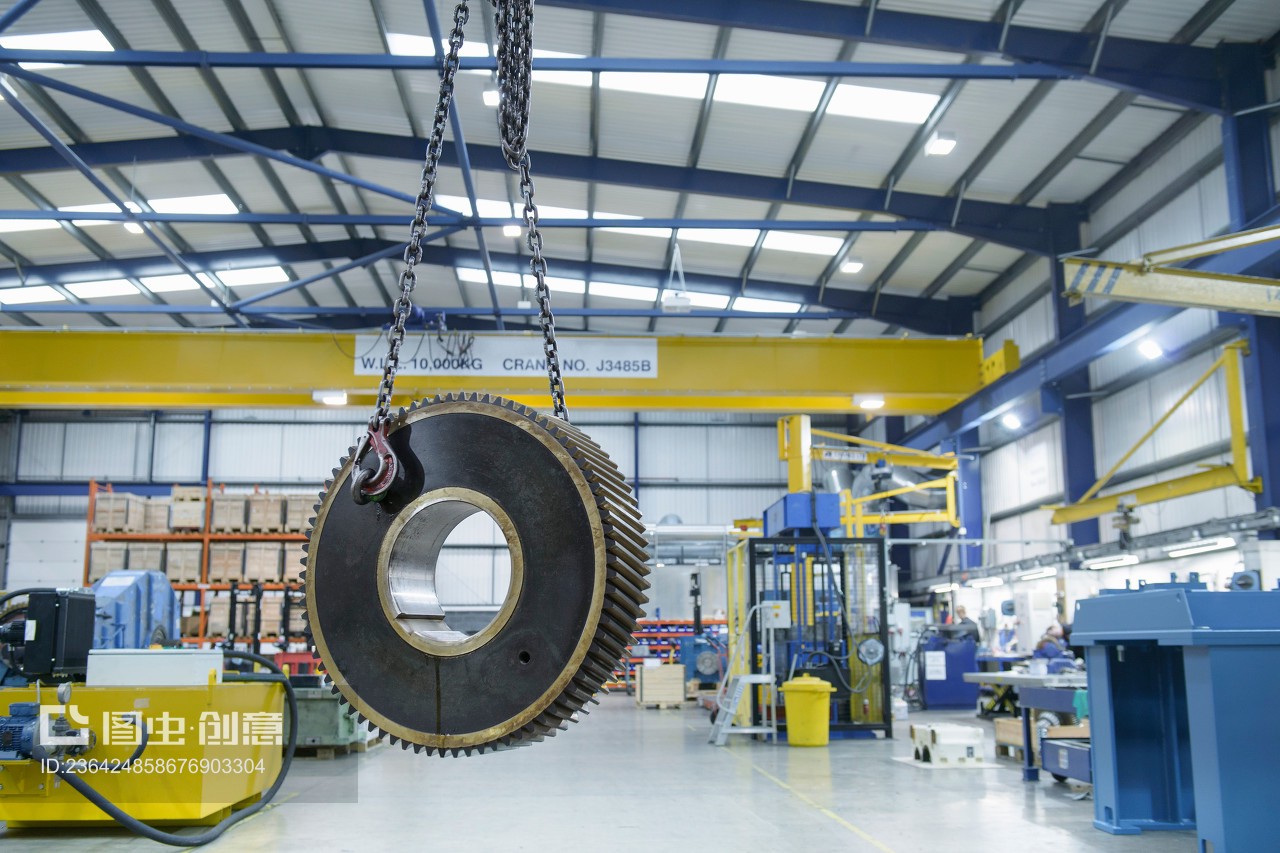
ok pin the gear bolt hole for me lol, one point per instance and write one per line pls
(525, 657)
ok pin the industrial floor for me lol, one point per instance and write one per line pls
(643, 780)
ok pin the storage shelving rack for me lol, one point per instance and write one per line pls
(661, 637)
(206, 537)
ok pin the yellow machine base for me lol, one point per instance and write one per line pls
(213, 749)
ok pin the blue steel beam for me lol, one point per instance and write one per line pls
(1020, 226)
(227, 141)
(380, 220)
(621, 65)
(363, 261)
(930, 316)
(38, 125)
(1180, 74)
(14, 12)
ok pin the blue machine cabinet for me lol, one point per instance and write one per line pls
(950, 690)
(1182, 683)
(134, 610)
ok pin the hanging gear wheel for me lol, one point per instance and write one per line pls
(577, 579)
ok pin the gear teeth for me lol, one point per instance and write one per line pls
(626, 571)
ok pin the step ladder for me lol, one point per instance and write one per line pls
(735, 691)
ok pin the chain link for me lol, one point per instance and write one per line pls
(538, 266)
(426, 191)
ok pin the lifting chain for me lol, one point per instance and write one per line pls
(515, 74)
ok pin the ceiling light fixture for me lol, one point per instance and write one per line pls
(1011, 421)
(1111, 562)
(945, 587)
(1037, 574)
(852, 266)
(940, 145)
(983, 583)
(870, 402)
(1150, 349)
(330, 398)
(490, 96)
(511, 231)
(1202, 546)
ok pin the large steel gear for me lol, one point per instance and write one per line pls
(577, 567)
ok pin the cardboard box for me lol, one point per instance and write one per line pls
(266, 513)
(294, 554)
(156, 516)
(1009, 732)
(146, 556)
(229, 513)
(190, 625)
(262, 562)
(182, 562)
(186, 515)
(226, 562)
(119, 513)
(660, 685)
(106, 557)
(220, 614)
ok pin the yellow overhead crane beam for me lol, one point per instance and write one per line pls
(1152, 280)
(45, 368)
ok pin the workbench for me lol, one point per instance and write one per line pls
(1041, 692)
(1004, 700)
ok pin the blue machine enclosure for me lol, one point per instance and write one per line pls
(134, 610)
(1181, 683)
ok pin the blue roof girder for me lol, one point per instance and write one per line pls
(1109, 330)
(951, 316)
(1020, 226)
(1180, 74)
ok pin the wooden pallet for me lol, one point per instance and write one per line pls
(661, 706)
(1009, 750)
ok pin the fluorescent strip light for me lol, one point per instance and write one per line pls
(215, 203)
(28, 295)
(1037, 574)
(174, 283)
(723, 236)
(1150, 349)
(330, 398)
(714, 301)
(1203, 547)
(852, 266)
(669, 84)
(1112, 562)
(511, 231)
(92, 40)
(623, 291)
(765, 306)
(940, 145)
(808, 244)
(945, 587)
(762, 90)
(881, 104)
(254, 275)
(96, 289)
(13, 226)
(984, 583)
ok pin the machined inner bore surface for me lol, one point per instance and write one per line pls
(408, 565)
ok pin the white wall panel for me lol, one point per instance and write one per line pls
(1031, 330)
(8, 435)
(1024, 471)
(1002, 302)
(743, 454)
(45, 553)
(1178, 331)
(673, 453)
(619, 443)
(178, 451)
(104, 451)
(40, 456)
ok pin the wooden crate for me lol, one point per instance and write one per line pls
(266, 513)
(182, 562)
(262, 562)
(119, 513)
(298, 510)
(660, 685)
(106, 557)
(229, 513)
(146, 557)
(156, 516)
(226, 562)
(187, 493)
(1009, 733)
(294, 553)
(186, 515)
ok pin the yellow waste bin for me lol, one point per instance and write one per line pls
(808, 710)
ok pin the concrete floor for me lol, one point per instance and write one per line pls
(631, 780)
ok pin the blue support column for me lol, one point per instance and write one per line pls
(895, 427)
(968, 495)
(1067, 397)
(1247, 156)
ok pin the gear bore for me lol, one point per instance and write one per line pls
(573, 530)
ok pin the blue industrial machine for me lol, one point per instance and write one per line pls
(944, 661)
(793, 514)
(1181, 685)
(135, 610)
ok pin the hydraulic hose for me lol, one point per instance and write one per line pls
(196, 839)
